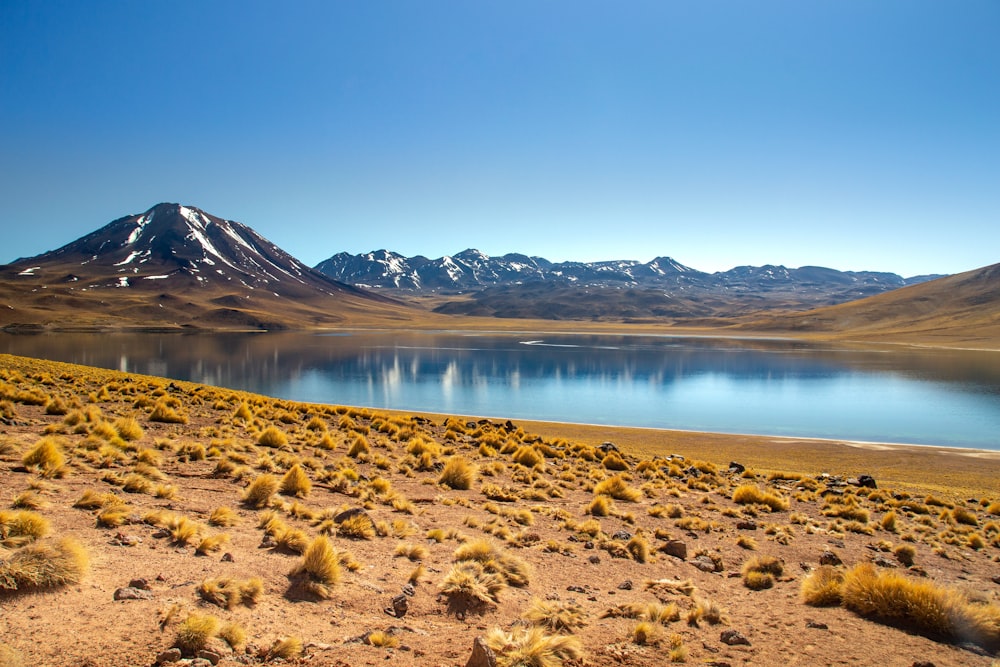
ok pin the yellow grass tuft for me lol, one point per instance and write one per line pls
(128, 429)
(212, 543)
(296, 482)
(458, 473)
(533, 647)
(319, 568)
(229, 593)
(759, 572)
(382, 639)
(514, 571)
(44, 564)
(195, 631)
(272, 436)
(19, 527)
(618, 488)
(555, 615)
(821, 588)
(258, 493)
(750, 494)
(223, 517)
(288, 648)
(46, 457)
(528, 456)
(933, 610)
(162, 412)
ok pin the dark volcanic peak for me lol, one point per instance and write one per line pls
(173, 244)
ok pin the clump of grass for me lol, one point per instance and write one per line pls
(600, 506)
(259, 492)
(458, 473)
(750, 494)
(46, 457)
(759, 572)
(230, 593)
(223, 517)
(638, 548)
(964, 516)
(19, 527)
(212, 543)
(411, 551)
(933, 610)
(528, 456)
(645, 633)
(821, 588)
(128, 429)
(555, 615)
(468, 582)
(195, 631)
(533, 647)
(27, 500)
(747, 542)
(319, 568)
(514, 571)
(288, 648)
(618, 488)
(234, 635)
(44, 564)
(272, 436)
(904, 554)
(296, 482)
(163, 413)
(357, 526)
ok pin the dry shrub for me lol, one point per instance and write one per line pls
(223, 517)
(599, 506)
(528, 456)
(357, 526)
(319, 568)
(46, 457)
(638, 548)
(904, 554)
(128, 429)
(933, 610)
(195, 631)
(532, 647)
(555, 615)
(458, 473)
(163, 413)
(750, 494)
(469, 582)
(759, 572)
(272, 436)
(288, 648)
(211, 544)
(822, 587)
(229, 593)
(19, 527)
(43, 564)
(618, 488)
(258, 493)
(514, 571)
(296, 482)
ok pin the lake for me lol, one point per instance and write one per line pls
(770, 387)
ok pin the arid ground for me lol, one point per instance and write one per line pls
(251, 530)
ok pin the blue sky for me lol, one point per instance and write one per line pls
(850, 134)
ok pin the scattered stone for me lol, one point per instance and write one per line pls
(170, 655)
(622, 535)
(737, 468)
(400, 605)
(608, 447)
(482, 655)
(675, 548)
(817, 626)
(200, 662)
(129, 593)
(923, 663)
(705, 564)
(348, 514)
(733, 638)
(882, 561)
(867, 481)
(576, 589)
(139, 583)
(123, 540)
(268, 542)
(211, 656)
(595, 559)
(409, 591)
(588, 545)
(996, 579)
(161, 533)
(625, 585)
(829, 558)
(228, 558)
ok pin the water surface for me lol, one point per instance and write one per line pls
(773, 387)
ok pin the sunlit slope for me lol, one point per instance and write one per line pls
(962, 307)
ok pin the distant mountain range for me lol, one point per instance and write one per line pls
(516, 285)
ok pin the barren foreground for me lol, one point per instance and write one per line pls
(140, 515)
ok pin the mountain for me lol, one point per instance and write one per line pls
(177, 265)
(962, 308)
(515, 285)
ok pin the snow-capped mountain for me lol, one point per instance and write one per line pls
(179, 243)
(181, 264)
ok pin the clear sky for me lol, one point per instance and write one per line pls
(843, 133)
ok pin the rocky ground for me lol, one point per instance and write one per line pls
(618, 558)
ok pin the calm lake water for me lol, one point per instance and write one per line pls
(772, 387)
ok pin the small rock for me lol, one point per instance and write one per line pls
(228, 558)
(482, 655)
(625, 585)
(608, 447)
(161, 533)
(595, 559)
(200, 662)
(733, 638)
(409, 591)
(139, 583)
(829, 558)
(817, 626)
(211, 656)
(588, 545)
(675, 548)
(705, 564)
(170, 655)
(622, 535)
(737, 468)
(576, 589)
(400, 605)
(996, 579)
(923, 663)
(882, 561)
(867, 481)
(747, 524)
(129, 593)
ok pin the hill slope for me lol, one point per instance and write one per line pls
(962, 307)
(176, 265)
